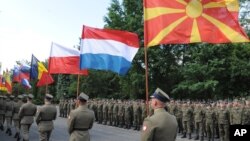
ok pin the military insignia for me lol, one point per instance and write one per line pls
(144, 128)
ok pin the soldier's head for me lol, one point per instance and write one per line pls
(30, 97)
(82, 98)
(159, 98)
(48, 98)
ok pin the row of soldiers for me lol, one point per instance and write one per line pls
(210, 119)
(21, 111)
(124, 114)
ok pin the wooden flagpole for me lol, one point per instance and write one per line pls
(146, 78)
(78, 83)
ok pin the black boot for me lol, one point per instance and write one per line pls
(1, 127)
(10, 133)
(189, 136)
(196, 138)
(15, 135)
(202, 138)
(184, 135)
(7, 131)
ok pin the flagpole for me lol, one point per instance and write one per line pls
(78, 83)
(146, 78)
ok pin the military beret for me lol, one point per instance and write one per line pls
(160, 95)
(48, 96)
(83, 96)
(30, 96)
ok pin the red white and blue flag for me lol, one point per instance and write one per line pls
(106, 49)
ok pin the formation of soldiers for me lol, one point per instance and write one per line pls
(21, 111)
(211, 120)
(124, 114)
(200, 119)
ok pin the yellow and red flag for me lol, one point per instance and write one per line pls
(7, 81)
(190, 21)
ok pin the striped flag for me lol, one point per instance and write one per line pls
(105, 49)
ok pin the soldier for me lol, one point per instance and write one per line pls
(223, 121)
(115, 114)
(120, 114)
(246, 112)
(26, 115)
(161, 126)
(17, 105)
(65, 108)
(99, 111)
(61, 108)
(44, 118)
(110, 112)
(187, 113)
(105, 112)
(2, 112)
(80, 120)
(210, 117)
(179, 117)
(236, 113)
(137, 115)
(9, 114)
(198, 118)
(127, 115)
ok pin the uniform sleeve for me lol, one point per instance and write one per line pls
(147, 130)
(71, 120)
(20, 113)
(38, 116)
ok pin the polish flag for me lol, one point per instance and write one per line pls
(64, 60)
(106, 49)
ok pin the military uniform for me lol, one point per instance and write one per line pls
(223, 122)
(9, 114)
(26, 115)
(161, 126)
(2, 111)
(198, 118)
(44, 118)
(210, 117)
(187, 113)
(80, 121)
(17, 106)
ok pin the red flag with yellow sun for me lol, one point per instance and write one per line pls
(190, 21)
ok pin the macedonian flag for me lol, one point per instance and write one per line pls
(190, 21)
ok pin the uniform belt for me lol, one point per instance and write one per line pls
(81, 129)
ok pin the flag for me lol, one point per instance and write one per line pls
(7, 81)
(38, 70)
(190, 21)
(0, 67)
(233, 7)
(2, 84)
(25, 82)
(45, 79)
(64, 60)
(106, 49)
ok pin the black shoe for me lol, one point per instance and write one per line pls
(196, 138)
(10, 133)
(189, 136)
(15, 135)
(7, 131)
(184, 135)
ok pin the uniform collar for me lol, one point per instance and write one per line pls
(158, 110)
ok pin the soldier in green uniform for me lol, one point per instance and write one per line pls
(9, 114)
(223, 121)
(110, 112)
(137, 115)
(120, 114)
(127, 115)
(246, 112)
(179, 117)
(210, 117)
(44, 118)
(99, 111)
(26, 115)
(61, 108)
(115, 114)
(198, 119)
(80, 120)
(187, 114)
(161, 126)
(236, 113)
(2, 112)
(105, 112)
(17, 105)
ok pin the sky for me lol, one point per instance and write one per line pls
(29, 26)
